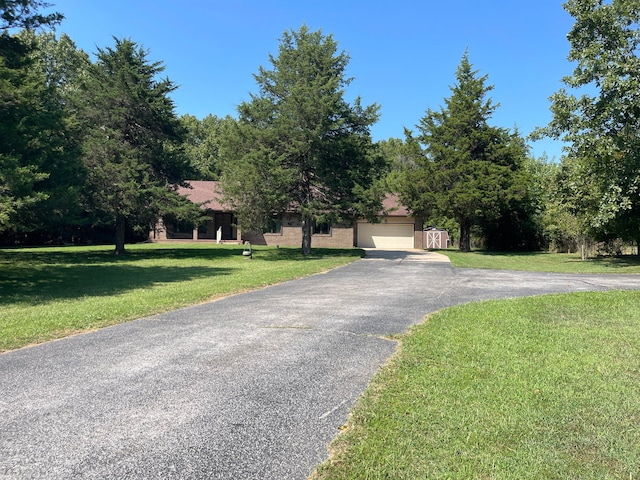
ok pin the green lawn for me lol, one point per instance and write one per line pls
(48, 293)
(537, 388)
(543, 262)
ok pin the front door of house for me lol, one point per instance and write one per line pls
(226, 221)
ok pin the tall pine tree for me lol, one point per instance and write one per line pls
(468, 170)
(131, 148)
(299, 143)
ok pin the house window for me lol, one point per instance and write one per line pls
(273, 225)
(321, 228)
(180, 226)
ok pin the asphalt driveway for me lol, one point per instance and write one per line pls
(251, 386)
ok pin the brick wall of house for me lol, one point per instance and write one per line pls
(341, 236)
(418, 235)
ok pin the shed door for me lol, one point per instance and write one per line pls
(385, 235)
(434, 239)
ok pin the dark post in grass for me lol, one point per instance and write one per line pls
(247, 252)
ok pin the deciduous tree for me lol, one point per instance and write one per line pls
(600, 121)
(203, 139)
(60, 65)
(24, 120)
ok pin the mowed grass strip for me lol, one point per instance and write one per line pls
(48, 293)
(544, 387)
(544, 262)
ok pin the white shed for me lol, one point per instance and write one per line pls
(436, 238)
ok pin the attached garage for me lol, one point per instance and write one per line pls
(385, 235)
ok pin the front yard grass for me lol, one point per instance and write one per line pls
(48, 293)
(543, 387)
(543, 262)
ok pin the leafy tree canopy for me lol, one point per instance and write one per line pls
(58, 64)
(601, 121)
(25, 123)
(203, 140)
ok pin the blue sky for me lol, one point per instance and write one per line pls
(404, 53)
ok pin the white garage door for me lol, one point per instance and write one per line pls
(385, 235)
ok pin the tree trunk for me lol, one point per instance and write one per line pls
(120, 234)
(306, 235)
(465, 235)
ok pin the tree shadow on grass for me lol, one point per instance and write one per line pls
(42, 275)
(505, 254)
(77, 256)
(270, 254)
(45, 283)
(616, 262)
(92, 256)
(600, 264)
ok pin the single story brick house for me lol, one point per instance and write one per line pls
(396, 229)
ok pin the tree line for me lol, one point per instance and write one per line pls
(92, 149)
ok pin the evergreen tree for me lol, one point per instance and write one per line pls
(298, 143)
(131, 149)
(59, 64)
(25, 14)
(468, 170)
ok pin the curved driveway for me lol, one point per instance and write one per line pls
(251, 386)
